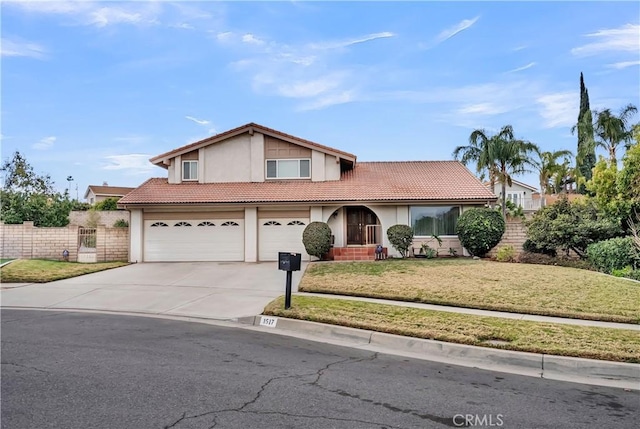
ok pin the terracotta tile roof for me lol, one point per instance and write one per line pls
(242, 129)
(368, 181)
(110, 190)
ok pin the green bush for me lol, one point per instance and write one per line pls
(480, 230)
(316, 238)
(561, 261)
(613, 254)
(634, 275)
(530, 246)
(400, 237)
(121, 223)
(109, 204)
(506, 254)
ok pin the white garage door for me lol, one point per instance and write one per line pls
(281, 235)
(194, 240)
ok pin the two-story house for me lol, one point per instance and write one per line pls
(248, 193)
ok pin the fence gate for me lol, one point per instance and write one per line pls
(87, 245)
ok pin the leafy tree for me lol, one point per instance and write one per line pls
(570, 226)
(108, 204)
(480, 230)
(586, 159)
(609, 130)
(28, 196)
(501, 156)
(400, 237)
(547, 166)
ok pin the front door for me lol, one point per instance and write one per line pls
(357, 220)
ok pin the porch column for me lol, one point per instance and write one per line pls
(316, 214)
(251, 234)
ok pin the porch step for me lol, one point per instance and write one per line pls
(354, 253)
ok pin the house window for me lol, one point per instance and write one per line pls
(206, 223)
(182, 224)
(230, 223)
(272, 223)
(288, 169)
(434, 220)
(189, 170)
(158, 224)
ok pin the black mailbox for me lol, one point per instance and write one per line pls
(288, 261)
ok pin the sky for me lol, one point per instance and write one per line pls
(93, 90)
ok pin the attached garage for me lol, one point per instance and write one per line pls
(176, 238)
(277, 234)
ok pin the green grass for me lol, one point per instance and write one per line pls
(2, 261)
(620, 345)
(41, 271)
(462, 282)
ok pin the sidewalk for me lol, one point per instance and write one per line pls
(476, 312)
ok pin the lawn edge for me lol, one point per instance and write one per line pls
(533, 312)
(56, 278)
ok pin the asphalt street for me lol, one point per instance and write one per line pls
(78, 370)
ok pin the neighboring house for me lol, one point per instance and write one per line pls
(248, 193)
(520, 194)
(96, 193)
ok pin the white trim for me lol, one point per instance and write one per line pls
(277, 160)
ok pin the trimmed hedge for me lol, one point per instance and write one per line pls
(400, 237)
(316, 238)
(480, 230)
(613, 254)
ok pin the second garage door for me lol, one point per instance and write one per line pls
(194, 240)
(281, 235)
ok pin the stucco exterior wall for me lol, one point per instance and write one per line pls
(257, 157)
(28, 242)
(317, 166)
(228, 161)
(331, 167)
(250, 234)
(135, 232)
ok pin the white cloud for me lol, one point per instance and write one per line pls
(198, 121)
(558, 109)
(136, 162)
(227, 35)
(334, 98)
(20, 48)
(528, 66)
(110, 16)
(481, 109)
(253, 40)
(45, 143)
(624, 64)
(455, 29)
(182, 26)
(311, 88)
(622, 39)
(349, 42)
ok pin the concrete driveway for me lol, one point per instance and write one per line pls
(216, 290)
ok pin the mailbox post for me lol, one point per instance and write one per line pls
(288, 262)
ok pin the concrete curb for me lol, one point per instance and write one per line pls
(562, 368)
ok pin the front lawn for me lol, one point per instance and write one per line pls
(463, 282)
(621, 345)
(2, 261)
(41, 271)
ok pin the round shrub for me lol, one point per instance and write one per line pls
(613, 254)
(400, 237)
(532, 247)
(316, 238)
(480, 230)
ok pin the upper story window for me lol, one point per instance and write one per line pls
(189, 170)
(288, 169)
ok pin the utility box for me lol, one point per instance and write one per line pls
(288, 261)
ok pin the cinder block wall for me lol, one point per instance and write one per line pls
(28, 242)
(107, 218)
(515, 235)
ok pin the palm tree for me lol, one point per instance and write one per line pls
(511, 157)
(609, 130)
(478, 151)
(547, 165)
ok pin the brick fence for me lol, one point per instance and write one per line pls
(29, 242)
(515, 235)
(108, 218)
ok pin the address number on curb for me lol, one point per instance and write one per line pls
(268, 321)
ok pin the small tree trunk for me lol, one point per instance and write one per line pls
(504, 199)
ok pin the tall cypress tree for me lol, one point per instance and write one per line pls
(586, 155)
